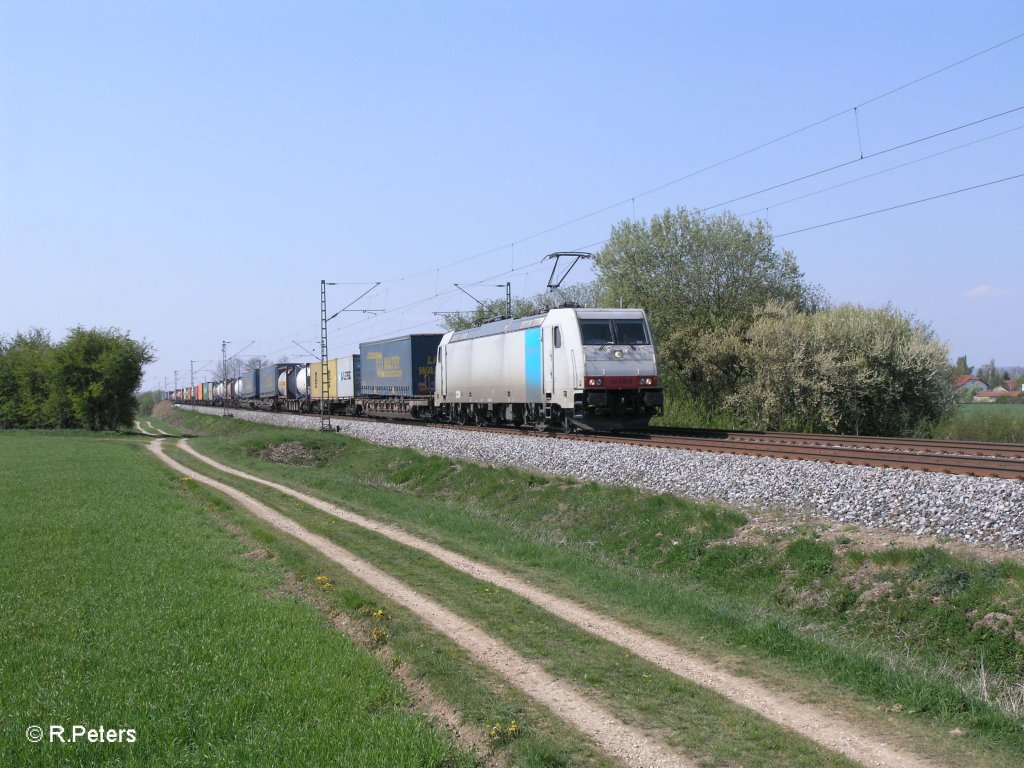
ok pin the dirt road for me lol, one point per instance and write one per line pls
(619, 740)
(815, 723)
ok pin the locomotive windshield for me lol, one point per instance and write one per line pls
(630, 332)
(602, 332)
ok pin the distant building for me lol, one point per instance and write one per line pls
(998, 395)
(968, 382)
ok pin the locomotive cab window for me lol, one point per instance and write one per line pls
(624, 332)
(558, 337)
(597, 332)
(633, 332)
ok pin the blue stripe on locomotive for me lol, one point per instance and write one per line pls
(534, 366)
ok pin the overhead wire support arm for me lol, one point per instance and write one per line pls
(242, 350)
(325, 378)
(474, 298)
(311, 354)
(346, 307)
(508, 297)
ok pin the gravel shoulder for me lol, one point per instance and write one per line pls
(813, 722)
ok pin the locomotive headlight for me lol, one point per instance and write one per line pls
(600, 382)
(595, 382)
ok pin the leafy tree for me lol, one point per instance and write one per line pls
(846, 369)
(26, 370)
(701, 278)
(962, 368)
(692, 271)
(97, 373)
(989, 373)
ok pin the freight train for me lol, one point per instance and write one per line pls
(566, 369)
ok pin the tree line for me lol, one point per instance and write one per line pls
(744, 341)
(86, 381)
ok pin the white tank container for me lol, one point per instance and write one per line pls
(302, 382)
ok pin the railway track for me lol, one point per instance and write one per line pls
(1003, 460)
(976, 459)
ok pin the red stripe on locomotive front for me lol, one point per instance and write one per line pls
(619, 382)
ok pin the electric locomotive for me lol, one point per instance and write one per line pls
(592, 369)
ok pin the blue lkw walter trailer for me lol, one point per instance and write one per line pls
(399, 367)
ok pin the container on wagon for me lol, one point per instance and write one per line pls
(400, 367)
(270, 384)
(347, 383)
(248, 386)
(302, 382)
(317, 389)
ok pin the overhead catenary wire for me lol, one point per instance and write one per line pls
(712, 166)
(890, 169)
(804, 177)
(771, 142)
(863, 157)
(901, 205)
(762, 145)
(522, 269)
(870, 213)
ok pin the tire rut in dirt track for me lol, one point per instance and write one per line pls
(619, 740)
(820, 726)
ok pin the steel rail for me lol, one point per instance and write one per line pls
(999, 460)
(914, 445)
(978, 466)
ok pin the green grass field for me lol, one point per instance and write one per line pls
(124, 604)
(785, 607)
(131, 599)
(988, 422)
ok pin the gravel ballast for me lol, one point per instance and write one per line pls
(977, 510)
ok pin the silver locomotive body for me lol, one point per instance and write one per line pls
(589, 368)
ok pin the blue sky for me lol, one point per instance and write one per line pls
(189, 172)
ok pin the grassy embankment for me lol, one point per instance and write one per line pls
(890, 635)
(124, 604)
